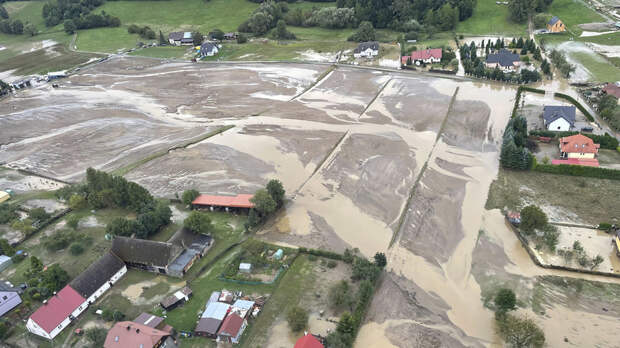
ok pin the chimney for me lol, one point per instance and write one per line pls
(55, 293)
(128, 327)
(137, 330)
(44, 302)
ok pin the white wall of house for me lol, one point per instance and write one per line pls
(580, 155)
(559, 125)
(369, 52)
(33, 327)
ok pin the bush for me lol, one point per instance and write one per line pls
(297, 318)
(38, 214)
(73, 221)
(198, 222)
(96, 336)
(189, 196)
(572, 170)
(532, 217)
(604, 226)
(241, 38)
(519, 332)
(505, 300)
(76, 249)
(332, 264)
(365, 32)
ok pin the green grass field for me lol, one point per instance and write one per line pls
(161, 52)
(488, 19)
(573, 13)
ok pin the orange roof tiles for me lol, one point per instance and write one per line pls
(238, 201)
(127, 334)
(578, 144)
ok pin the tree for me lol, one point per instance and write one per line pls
(520, 333)
(198, 38)
(96, 336)
(505, 300)
(281, 33)
(276, 191)
(38, 214)
(70, 26)
(198, 222)
(241, 38)
(189, 196)
(596, 261)
(162, 39)
(532, 217)
(520, 9)
(217, 34)
(3, 13)
(30, 29)
(77, 202)
(73, 221)
(6, 248)
(263, 203)
(297, 318)
(365, 32)
(54, 278)
(380, 260)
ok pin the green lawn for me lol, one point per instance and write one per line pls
(572, 13)
(109, 40)
(612, 39)
(27, 12)
(490, 18)
(272, 50)
(600, 68)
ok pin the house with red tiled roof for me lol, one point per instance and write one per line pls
(63, 307)
(308, 341)
(232, 328)
(128, 334)
(212, 202)
(578, 146)
(427, 56)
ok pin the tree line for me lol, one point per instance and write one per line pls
(514, 154)
(520, 9)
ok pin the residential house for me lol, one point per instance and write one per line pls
(428, 56)
(555, 25)
(153, 322)
(211, 319)
(230, 36)
(127, 334)
(559, 118)
(242, 308)
(578, 146)
(208, 49)
(504, 59)
(9, 297)
(232, 328)
(366, 49)
(228, 203)
(613, 89)
(308, 341)
(178, 298)
(63, 307)
(179, 38)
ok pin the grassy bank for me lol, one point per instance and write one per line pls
(490, 18)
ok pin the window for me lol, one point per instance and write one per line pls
(116, 339)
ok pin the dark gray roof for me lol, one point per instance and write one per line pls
(553, 112)
(366, 45)
(553, 20)
(208, 325)
(145, 252)
(149, 320)
(97, 274)
(190, 240)
(183, 260)
(504, 57)
(176, 35)
(207, 47)
(5, 287)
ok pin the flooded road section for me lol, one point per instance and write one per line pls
(379, 161)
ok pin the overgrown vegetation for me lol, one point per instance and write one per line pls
(608, 109)
(517, 332)
(266, 201)
(558, 58)
(514, 154)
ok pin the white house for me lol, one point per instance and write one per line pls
(366, 49)
(559, 118)
(63, 307)
(178, 38)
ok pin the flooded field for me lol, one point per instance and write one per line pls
(380, 161)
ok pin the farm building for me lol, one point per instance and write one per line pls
(228, 203)
(366, 49)
(63, 307)
(200, 243)
(5, 262)
(555, 25)
(559, 118)
(578, 146)
(308, 341)
(179, 38)
(176, 299)
(504, 59)
(211, 319)
(245, 267)
(126, 334)
(232, 328)
(9, 298)
(208, 49)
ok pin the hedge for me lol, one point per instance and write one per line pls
(322, 253)
(604, 226)
(533, 90)
(606, 141)
(573, 170)
(577, 104)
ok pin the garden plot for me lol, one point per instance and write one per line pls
(240, 160)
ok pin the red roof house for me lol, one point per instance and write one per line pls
(613, 89)
(578, 146)
(127, 334)
(430, 55)
(232, 328)
(238, 201)
(58, 308)
(308, 341)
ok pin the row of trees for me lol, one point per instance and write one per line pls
(514, 154)
(514, 330)
(91, 20)
(54, 12)
(145, 32)
(558, 59)
(520, 10)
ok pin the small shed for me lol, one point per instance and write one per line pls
(4, 196)
(278, 254)
(176, 299)
(245, 267)
(5, 262)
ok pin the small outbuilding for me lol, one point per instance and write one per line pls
(211, 319)
(208, 49)
(4, 196)
(176, 299)
(232, 328)
(245, 267)
(5, 262)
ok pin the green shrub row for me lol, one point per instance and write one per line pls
(572, 170)
(532, 90)
(604, 226)
(576, 103)
(323, 253)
